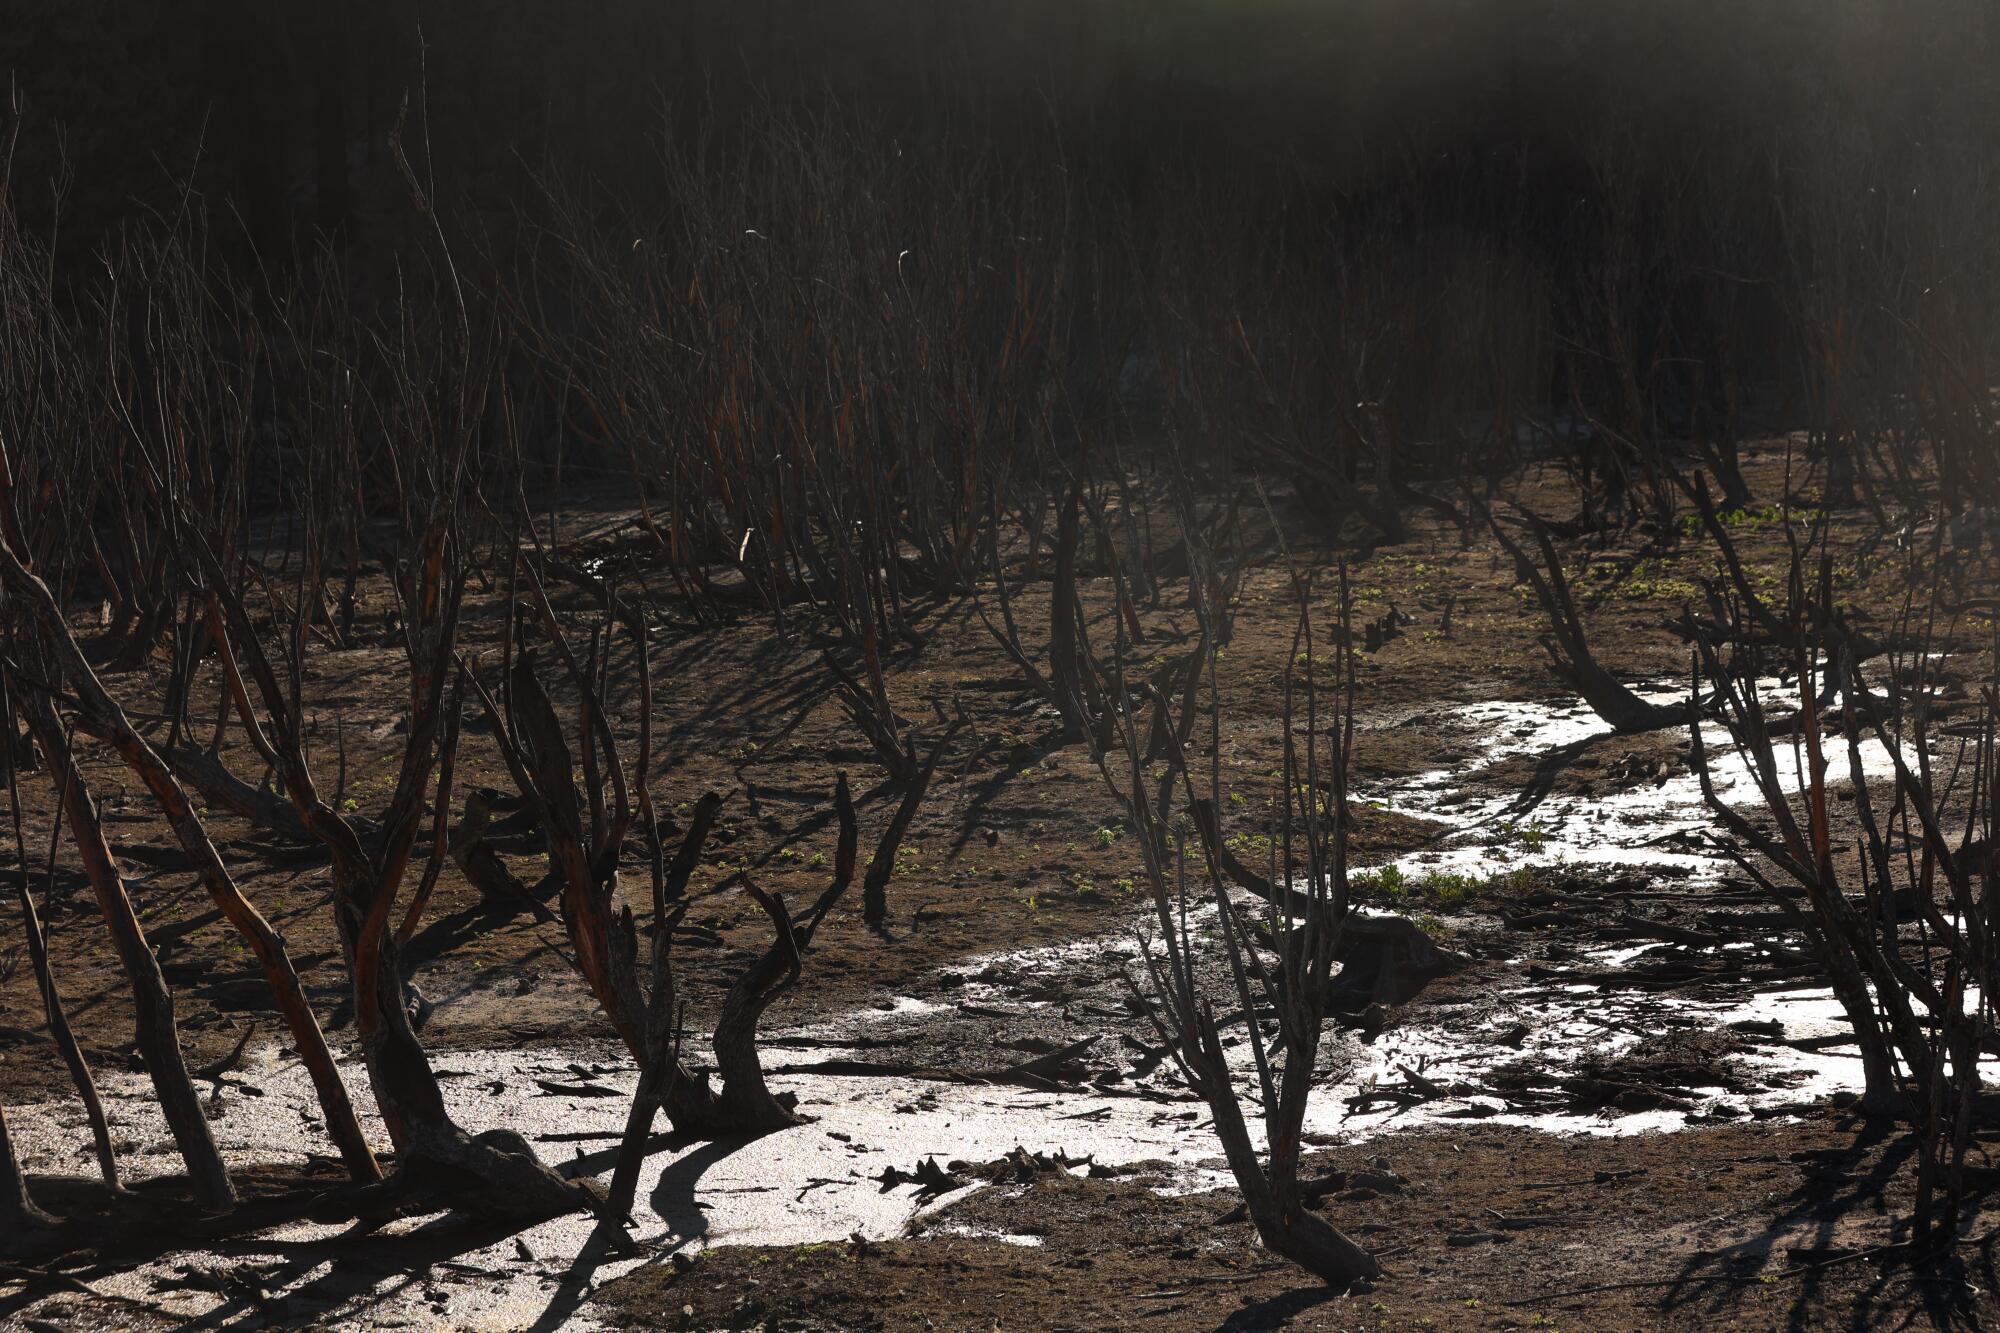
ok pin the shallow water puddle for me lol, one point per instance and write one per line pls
(1649, 824)
(821, 1181)
(814, 1183)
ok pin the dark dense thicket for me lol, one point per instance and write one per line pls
(1372, 248)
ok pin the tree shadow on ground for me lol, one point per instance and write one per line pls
(1277, 1311)
(1900, 1289)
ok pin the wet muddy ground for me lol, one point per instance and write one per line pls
(1631, 1078)
(1477, 1139)
(1584, 1007)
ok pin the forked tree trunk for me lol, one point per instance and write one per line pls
(882, 868)
(747, 1104)
(65, 1039)
(102, 715)
(1271, 1194)
(152, 1002)
(606, 947)
(494, 1173)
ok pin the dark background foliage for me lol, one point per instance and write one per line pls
(283, 109)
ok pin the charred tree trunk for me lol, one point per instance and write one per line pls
(103, 716)
(661, 1074)
(152, 1002)
(747, 1104)
(589, 878)
(495, 1173)
(1271, 1190)
(65, 1039)
(606, 944)
(875, 884)
(1607, 696)
(263, 808)
(45, 980)
(18, 1212)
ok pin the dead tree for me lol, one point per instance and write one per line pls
(1293, 981)
(748, 1105)
(441, 817)
(1568, 647)
(101, 715)
(1912, 961)
(1068, 686)
(152, 1001)
(495, 1172)
(585, 859)
(38, 955)
(875, 883)
(586, 838)
(661, 1065)
(18, 1211)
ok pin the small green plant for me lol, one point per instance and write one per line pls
(1691, 525)
(1444, 887)
(1389, 881)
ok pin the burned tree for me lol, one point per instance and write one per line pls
(1068, 686)
(38, 955)
(1909, 956)
(1567, 645)
(1293, 977)
(748, 1105)
(585, 858)
(492, 1172)
(586, 837)
(101, 714)
(18, 1210)
(152, 1001)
